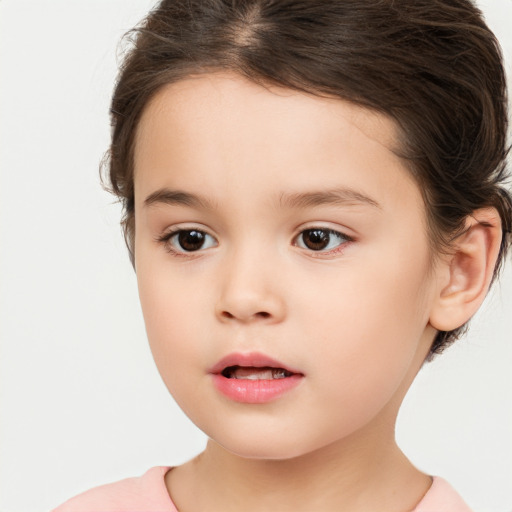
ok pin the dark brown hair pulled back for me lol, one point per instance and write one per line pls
(431, 65)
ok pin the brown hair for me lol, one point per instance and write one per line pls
(431, 65)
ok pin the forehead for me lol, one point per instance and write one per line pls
(228, 134)
(199, 101)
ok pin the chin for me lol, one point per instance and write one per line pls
(264, 445)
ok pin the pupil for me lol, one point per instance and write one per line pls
(315, 239)
(191, 240)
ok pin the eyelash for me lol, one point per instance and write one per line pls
(166, 240)
(344, 239)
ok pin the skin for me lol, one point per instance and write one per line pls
(355, 320)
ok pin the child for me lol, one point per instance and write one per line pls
(314, 205)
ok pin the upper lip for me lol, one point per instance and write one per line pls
(251, 359)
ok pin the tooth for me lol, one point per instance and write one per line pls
(246, 373)
(252, 374)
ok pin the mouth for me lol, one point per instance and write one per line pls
(254, 373)
(254, 378)
(252, 366)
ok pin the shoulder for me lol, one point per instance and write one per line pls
(147, 492)
(441, 497)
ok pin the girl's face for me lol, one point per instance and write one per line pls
(277, 229)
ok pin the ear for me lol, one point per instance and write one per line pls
(465, 275)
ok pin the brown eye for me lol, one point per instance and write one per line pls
(317, 239)
(190, 240)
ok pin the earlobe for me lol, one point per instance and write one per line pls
(465, 275)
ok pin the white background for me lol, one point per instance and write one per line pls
(81, 401)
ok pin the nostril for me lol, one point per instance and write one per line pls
(259, 314)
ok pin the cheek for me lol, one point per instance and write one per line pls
(367, 328)
(174, 316)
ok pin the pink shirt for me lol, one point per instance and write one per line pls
(148, 493)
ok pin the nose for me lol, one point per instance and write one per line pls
(250, 291)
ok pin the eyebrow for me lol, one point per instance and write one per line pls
(177, 197)
(336, 197)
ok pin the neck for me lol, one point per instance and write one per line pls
(365, 472)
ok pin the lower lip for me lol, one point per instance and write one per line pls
(255, 391)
